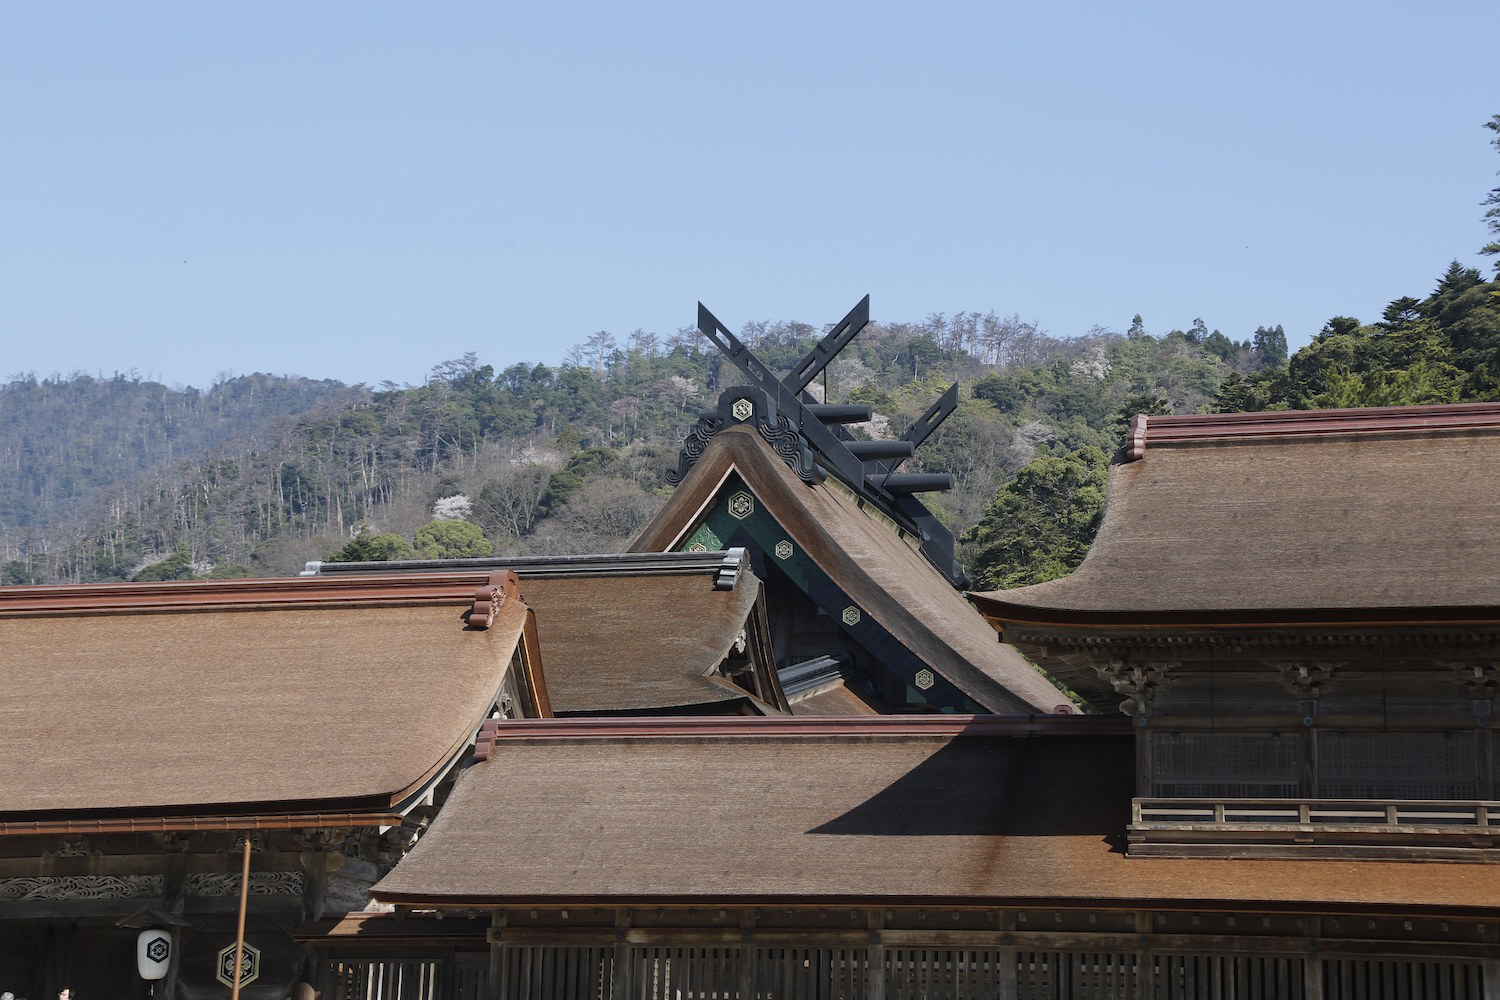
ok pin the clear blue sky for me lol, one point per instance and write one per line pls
(359, 191)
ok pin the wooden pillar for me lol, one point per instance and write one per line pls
(1489, 782)
(1007, 985)
(747, 953)
(622, 982)
(174, 901)
(1312, 977)
(1309, 738)
(1143, 757)
(314, 898)
(876, 982)
(1312, 969)
(497, 956)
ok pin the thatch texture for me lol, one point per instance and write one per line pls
(853, 818)
(329, 706)
(615, 642)
(1345, 516)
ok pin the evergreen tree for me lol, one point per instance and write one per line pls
(1492, 213)
(1041, 523)
(367, 547)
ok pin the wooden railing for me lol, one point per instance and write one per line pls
(1457, 830)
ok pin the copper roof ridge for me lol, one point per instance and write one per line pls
(284, 592)
(767, 727)
(1181, 427)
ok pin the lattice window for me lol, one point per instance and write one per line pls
(812, 973)
(552, 973)
(1397, 766)
(943, 974)
(471, 977)
(1052, 975)
(1225, 765)
(1363, 979)
(1228, 977)
(666, 973)
(383, 979)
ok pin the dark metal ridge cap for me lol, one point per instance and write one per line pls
(1146, 430)
(809, 727)
(725, 564)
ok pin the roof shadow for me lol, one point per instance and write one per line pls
(1004, 786)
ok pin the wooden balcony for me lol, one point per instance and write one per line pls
(1324, 828)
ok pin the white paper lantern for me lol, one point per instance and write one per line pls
(153, 953)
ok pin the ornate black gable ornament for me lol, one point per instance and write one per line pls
(811, 438)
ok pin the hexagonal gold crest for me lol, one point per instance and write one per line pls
(851, 615)
(697, 547)
(741, 505)
(249, 965)
(783, 549)
(924, 679)
(741, 409)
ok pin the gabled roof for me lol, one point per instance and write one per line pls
(868, 559)
(638, 632)
(619, 644)
(960, 811)
(132, 704)
(1368, 517)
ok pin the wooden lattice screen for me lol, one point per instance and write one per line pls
(1226, 765)
(1397, 766)
(540, 972)
(944, 974)
(1363, 979)
(384, 979)
(555, 973)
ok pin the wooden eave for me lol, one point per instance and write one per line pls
(192, 824)
(780, 727)
(812, 902)
(1014, 620)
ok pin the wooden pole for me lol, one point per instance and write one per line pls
(239, 934)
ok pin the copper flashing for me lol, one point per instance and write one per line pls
(193, 824)
(531, 663)
(783, 727)
(1303, 423)
(295, 592)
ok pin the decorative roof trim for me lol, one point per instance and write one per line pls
(484, 740)
(1304, 423)
(1135, 441)
(201, 595)
(784, 727)
(491, 597)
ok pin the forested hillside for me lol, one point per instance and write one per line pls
(122, 479)
(113, 479)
